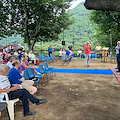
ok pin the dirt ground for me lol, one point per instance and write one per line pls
(76, 96)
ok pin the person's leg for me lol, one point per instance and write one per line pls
(117, 60)
(80, 55)
(32, 90)
(23, 95)
(29, 82)
(85, 59)
(88, 59)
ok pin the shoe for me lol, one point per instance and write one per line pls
(87, 65)
(116, 68)
(41, 101)
(118, 71)
(30, 113)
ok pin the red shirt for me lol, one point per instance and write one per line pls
(88, 50)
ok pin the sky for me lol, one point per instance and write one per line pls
(75, 3)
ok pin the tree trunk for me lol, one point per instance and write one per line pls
(108, 5)
(26, 28)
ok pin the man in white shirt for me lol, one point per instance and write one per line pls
(14, 92)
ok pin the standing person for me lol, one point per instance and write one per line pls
(87, 51)
(117, 54)
(50, 50)
(14, 92)
(70, 47)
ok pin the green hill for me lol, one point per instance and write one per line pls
(79, 32)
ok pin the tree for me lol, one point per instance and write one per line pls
(38, 20)
(4, 21)
(108, 5)
(107, 26)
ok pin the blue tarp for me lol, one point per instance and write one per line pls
(84, 71)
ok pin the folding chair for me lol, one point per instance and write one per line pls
(10, 105)
(49, 68)
(43, 71)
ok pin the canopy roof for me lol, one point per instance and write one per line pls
(1, 47)
(15, 46)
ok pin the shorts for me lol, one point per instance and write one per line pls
(28, 85)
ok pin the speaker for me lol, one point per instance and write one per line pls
(63, 42)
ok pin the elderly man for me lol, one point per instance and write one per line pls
(98, 48)
(32, 57)
(87, 51)
(16, 78)
(117, 53)
(14, 92)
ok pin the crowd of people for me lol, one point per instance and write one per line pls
(66, 54)
(12, 65)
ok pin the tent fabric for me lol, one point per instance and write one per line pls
(1, 47)
(15, 46)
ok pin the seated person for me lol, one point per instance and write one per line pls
(16, 54)
(5, 60)
(68, 53)
(60, 53)
(16, 78)
(98, 48)
(32, 57)
(79, 52)
(25, 64)
(9, 64)
(71, 55)
(14, 92)
(63, 53)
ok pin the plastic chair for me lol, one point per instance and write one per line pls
(3, 105)
(43, 71)
(64, 60)
(34, 77)
(10, 105)
(31, 73)
(51, 56)
(48, 68)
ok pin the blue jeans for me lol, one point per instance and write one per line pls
(117, 60)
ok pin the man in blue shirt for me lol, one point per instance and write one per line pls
(50, 50)
(117, 53)
(68, 53)
(14, 92)
(15, 78)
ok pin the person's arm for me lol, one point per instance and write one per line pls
(22, 79)
(86, 47)
(22, 63)
(10, 89)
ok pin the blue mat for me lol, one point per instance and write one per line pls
(84, 71)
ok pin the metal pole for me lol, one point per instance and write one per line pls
(110, 42)
(73, 38)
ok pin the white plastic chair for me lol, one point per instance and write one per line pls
(10, 105)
